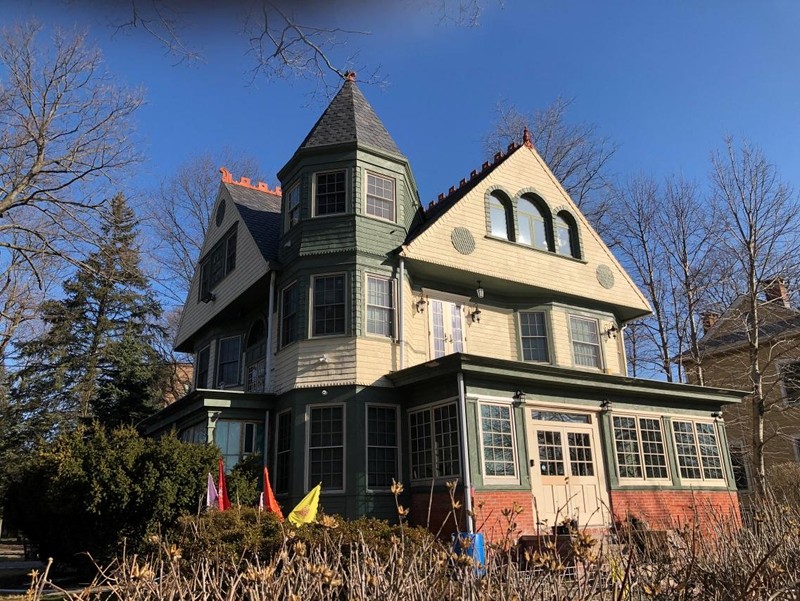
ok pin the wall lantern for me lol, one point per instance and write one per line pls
(208, 297)
(519, 398)
(717, 415)
(476, 315)
(605, 405)
(420, 304)
(612, 331)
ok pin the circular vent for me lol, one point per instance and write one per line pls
(462, 240)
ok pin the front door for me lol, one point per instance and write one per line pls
(566, 468)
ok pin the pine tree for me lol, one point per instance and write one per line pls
(97, 357)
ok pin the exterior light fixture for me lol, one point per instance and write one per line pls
(479, 291)
(605, 405)
(208, 297)
(716, 415)
(420, 304)
(519, 398)
(476, 315)
(612, 331)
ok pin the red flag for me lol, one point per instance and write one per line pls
(223, 502)
(269, 499)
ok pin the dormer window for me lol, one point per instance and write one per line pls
(293, 207)
(217, 264)
(330, 196)
(380, 196)
(499, 213)
(532, 224)
(566, 235)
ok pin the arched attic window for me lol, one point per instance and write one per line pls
(500, 216)
(533, 223)
(566, 235)
(255, 357)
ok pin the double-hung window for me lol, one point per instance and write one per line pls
(697, 450)
(331, 193)
(217, 264)
(202, 369)
(533, 336)
(326, 447)
(639, 446)
(289, 314)
(434, 442)
(497, 441)
(585, 342)
(382, 447)
(283, 452)
(229, 356)
(790, 379)
(380, 196)
(328, 317)
(380, 306)
(293, 207)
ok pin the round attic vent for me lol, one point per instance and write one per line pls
(220, 213)
(605, 276)
(462, 240)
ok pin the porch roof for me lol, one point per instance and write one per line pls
(520, 373)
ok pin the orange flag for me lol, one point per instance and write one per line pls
(223, 502)
(269, 499)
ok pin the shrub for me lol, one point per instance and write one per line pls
(91, 489)
(244, 479)
(783, 479)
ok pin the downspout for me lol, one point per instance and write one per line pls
(622, 352)
(268, 357)
(401, 329)
(462, 409)
(266, 438)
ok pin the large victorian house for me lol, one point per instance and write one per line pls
(352, 336)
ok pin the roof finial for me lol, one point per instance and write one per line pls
(226, 175)
(526, 138)
(349, 75)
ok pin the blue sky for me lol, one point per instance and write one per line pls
(664, 80)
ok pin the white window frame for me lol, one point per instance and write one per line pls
(276, 453)
(547, 330)
(640, 449)
(600, 354)
(367, 175)
(290, 222)
(311, 296)
(392, 310)
(307, 470)
(430, 408)
(499, 479)
(708, 481)
(218, 370)
(314, 212)
(448, 301)
(398, 447)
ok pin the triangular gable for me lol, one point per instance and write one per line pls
(256, 216)
(597, 275)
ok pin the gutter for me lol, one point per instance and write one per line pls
(401, 337)
(462, 410)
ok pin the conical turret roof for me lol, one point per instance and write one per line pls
(350, 118)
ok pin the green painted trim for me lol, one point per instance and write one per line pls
(606, 425)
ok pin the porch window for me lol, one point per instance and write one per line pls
(326, 448)
(497, 437)
(697, 450)
(380, 307)
(238, 440)
(202, 362)
(331, 194)
(585, 342)
(639, 445)
(283, 452)
(533, 335)
(435, 452)
(329, 305)
(382, 447)
(228, 362)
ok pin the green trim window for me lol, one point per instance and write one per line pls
(697, 450)
(202, 365)
(380, 306)
(382, 447)
(586, 349)
(639, 445)
(533, 336)
(497, 441)
(500, 219)
(434, 442)
(531, 224)
(283, 452)
(217, 264)
(289, 314)
(380, 196)
(228, 361)
(326, 447)
(331, 193)
(329, 305)
(740, 464)
(293, 206)
(238, 440)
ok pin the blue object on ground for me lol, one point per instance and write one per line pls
(465, 543)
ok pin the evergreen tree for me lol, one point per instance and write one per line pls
(97, 358)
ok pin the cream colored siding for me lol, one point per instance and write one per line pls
(299, 365)
(250, 266)
(493, 336)
(376, 358)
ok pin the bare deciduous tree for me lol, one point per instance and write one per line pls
(576, 153)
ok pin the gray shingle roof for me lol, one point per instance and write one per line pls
(261, 213)
(350, 118)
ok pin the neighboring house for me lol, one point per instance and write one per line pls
(354, 337)
(179, 382)
(725, 360)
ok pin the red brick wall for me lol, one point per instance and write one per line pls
(664, 509)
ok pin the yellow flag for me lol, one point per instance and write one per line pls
(306, 510)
